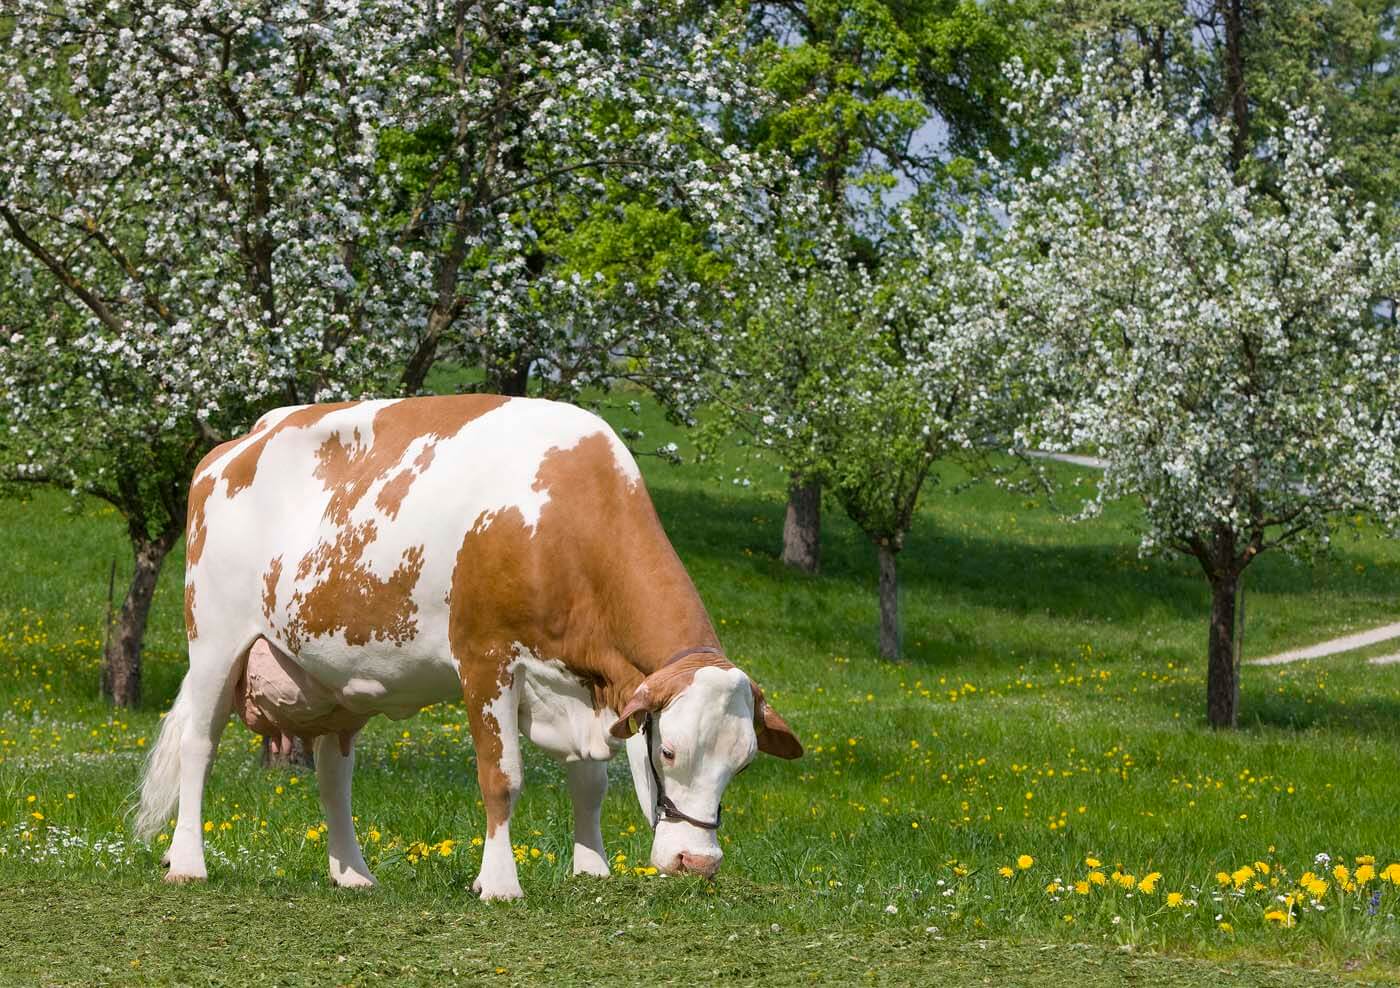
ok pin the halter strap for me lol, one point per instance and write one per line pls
(693, 650)
(665, 808)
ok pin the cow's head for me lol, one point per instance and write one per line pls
(708, 721)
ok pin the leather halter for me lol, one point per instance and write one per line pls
(665, 808)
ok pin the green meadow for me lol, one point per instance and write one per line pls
(1030, 796)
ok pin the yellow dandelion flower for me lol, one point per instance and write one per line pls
(1175, 900)
(1097, 877)
(313, 834)
(1082, 888)
(1241, 876)
(1364, 874)
(1223, 877)
(1024, 862)
(1148, 883)
(1005, 872)
(1093, 862)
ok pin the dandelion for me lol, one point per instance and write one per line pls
(312, 834)
(1279, 916)
(1093, 862)
(1175, 900)
(1148, 884)
(1005, 872)
(1024, 862)
(1097, 878)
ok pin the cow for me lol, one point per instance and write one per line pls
(360, 558)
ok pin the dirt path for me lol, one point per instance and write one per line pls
(1346, 643)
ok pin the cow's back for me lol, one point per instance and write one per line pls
(340, 531)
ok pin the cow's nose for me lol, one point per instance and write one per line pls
(704, 865)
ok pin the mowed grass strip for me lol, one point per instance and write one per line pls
(1014, 784)
(71, 934)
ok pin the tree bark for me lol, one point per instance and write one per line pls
(1235, 96)
(511, 377)
(802, 528)
(121, 659)
(889, 603)
(1222, 676)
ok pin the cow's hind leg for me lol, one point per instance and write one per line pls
(588, 784)
(333, 774)
(493, 713)
(199, 715)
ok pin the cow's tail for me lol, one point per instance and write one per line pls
(160, 786)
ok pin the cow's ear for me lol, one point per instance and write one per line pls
(629, 722)
(774, 736)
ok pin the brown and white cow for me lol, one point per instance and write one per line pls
(347, 560)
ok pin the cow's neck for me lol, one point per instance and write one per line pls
(658, 615)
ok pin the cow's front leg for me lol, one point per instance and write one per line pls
(588, 784)
(333, 774)
(493, 712)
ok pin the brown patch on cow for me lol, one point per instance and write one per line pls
(425, 458)
(242, 468)
(347, 596)
(270, 580)
(191, 631)
(391, 495)
(594, 584)
(488, 681)
(349, 470)
(195, 531)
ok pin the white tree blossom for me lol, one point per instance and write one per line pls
(1214, 339)
(209, 207)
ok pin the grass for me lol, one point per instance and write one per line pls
(1050, 706)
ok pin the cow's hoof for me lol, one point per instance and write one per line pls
(502, 895)
(350, 880)
(493, 893)
(591, 871)
(183, 878)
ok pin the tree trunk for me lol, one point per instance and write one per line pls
(121, 659)
(1235, 96)
(1222, 676)
(510, 377)
(889, 603)
(802, 529)
(286, 751)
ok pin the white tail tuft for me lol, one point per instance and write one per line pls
(160, 786)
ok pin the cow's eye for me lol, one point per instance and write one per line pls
(668, 753)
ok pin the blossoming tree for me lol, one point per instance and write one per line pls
(1216, 341)
(229, 206)
(869, 377)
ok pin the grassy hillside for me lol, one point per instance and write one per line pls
(1048, 714)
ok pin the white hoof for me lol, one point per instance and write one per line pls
(354, 880)
(592, 869)
(497, 893)
(175, 877)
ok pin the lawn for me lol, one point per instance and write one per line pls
(1031, 795)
